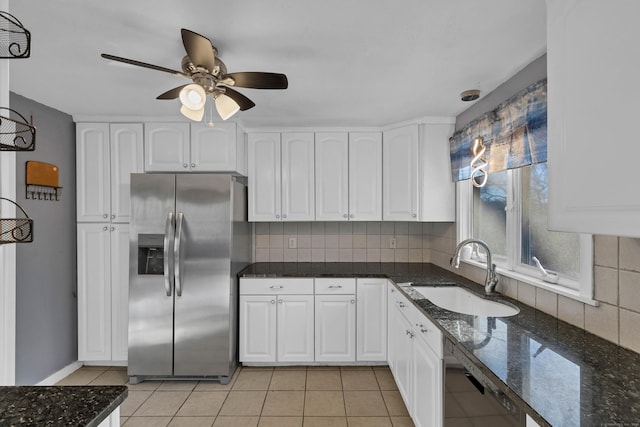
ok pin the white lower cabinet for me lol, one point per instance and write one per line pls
(371, 336)
(103, 291)
(415, 359)
(276, 320)
(335, 328)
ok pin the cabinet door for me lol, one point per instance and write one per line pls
(335, 328)
(94, 292)
(332, 176)
(401, 338)
(295, 328)
(372, 320)
(264, 177)
(213, 149)
(166, 147)
(400, 174)
(126, 149)
(428, 387)
(437, 190)
(592, 116)
(119, 291)
(365, 176)
(298, 177)
(92, 172)
(258, 328)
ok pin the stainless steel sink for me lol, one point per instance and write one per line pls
(460, 300)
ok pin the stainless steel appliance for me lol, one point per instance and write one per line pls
(189, 237)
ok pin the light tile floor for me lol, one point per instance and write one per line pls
(260, 397)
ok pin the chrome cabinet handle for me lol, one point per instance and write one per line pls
(400, 304)
(168, 228)
(176, 255)
(276, 287)
(335, 286)
(424, 331)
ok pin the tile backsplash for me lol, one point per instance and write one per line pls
(345, 241)
(616, 266)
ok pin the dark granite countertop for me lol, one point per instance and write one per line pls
(58, 405)
(556, 372)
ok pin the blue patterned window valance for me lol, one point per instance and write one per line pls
(515, 134)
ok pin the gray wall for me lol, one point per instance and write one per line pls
(46, 319)
(535, 71)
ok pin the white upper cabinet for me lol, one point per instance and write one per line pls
(106, 155)
(365, 176)
(435, 186)
(166, 147)
(400, 174)
(194, 147)
(332, 176)
(218, 149)
(264, 177)
(126, 150)
(281, 177)
(592, 114)
(298, 178)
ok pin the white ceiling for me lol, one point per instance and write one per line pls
(349, 62)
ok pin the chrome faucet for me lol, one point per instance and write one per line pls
(492, 279)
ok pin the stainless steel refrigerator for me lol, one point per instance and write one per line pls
(189, 237)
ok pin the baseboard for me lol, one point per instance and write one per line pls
(62, 373)
(105, 363)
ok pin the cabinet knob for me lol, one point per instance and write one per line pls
(185, 165)
(353, 301)
(273, 301)
(352, 216)
(277, 216)
(105, 228)
(284, 216)
(345, 216)
(414, 215)
(193, 165)
(113, 217)
(105, 216)
(112, 229)
(279, 301)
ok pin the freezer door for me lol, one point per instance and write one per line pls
(151, 275)
(203, 276)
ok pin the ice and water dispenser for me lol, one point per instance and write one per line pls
(150, 253)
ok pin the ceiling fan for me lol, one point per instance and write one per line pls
(209, 75)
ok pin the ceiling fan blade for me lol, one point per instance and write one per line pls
(259, 80)
(143, 64)
(244, 102)
(199, 49)
(172, 94)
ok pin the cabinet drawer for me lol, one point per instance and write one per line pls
(403, 304)
(426, 330)
(327, 286)
(276, 285)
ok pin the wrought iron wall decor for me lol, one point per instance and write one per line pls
(42, 181)
(515, 134)
(16, 135)
(16, 230)
(15, 39)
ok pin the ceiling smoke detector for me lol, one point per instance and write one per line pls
(470, 95)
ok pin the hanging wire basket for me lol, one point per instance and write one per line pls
(15, 40)
(16, 230)
(16, 135)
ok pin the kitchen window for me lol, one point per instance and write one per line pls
(510, 214)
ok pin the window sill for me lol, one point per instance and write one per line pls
(538, 283)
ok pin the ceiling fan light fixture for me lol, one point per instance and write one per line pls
(193, 96)
(195, 115)
(226, 106)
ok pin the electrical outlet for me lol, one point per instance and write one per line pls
(392, 243)
(293, 243)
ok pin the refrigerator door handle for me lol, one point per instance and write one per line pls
(168, 229)
(176, 254)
